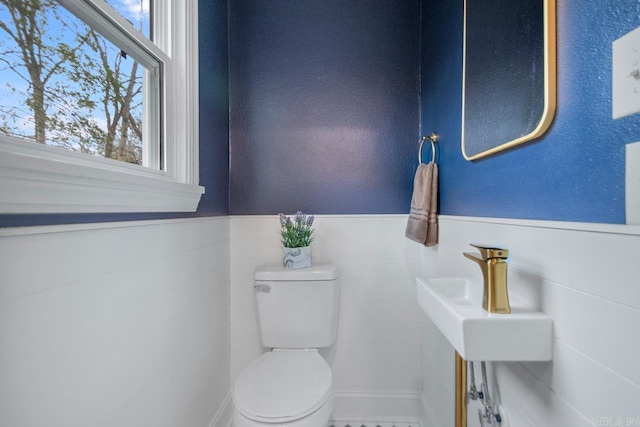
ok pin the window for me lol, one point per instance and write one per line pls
(116, 88)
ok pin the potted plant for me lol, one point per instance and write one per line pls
(296, 239)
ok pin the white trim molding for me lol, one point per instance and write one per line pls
(378, 406)
(593, 227)
(182, 98)
(68, 182)
(72, 228)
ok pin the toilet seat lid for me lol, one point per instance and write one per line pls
(283, 385)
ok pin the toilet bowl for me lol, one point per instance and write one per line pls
(284, 387)
(292, 384)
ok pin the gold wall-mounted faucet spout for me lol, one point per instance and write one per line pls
(494, 270)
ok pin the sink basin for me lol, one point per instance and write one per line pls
(455, 306)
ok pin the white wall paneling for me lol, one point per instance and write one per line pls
(437, 376)
(148, 323)
(586, 277)
(121, 324)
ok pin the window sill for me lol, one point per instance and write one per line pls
(41, 179)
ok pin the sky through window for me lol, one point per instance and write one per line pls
(70, 88)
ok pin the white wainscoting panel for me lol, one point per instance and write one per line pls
(437, 376)
(377, 358)
(133, 324)
(587, 278)
(121, 324)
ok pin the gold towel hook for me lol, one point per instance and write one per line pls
(433, 138)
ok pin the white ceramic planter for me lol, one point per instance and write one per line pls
(295, 258)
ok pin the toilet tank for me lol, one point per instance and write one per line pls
(297, 308)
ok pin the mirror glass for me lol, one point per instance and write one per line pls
(509, 85)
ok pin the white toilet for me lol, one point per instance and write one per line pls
(291, 385)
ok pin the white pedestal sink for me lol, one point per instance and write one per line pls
(455, 306)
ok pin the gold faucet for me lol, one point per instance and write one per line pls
(494, 270)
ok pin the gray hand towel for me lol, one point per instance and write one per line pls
(422, 225)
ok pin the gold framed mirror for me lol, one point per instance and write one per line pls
(509, 74)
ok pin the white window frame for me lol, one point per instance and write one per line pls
(35, 178)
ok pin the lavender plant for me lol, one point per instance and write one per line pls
(296, 233)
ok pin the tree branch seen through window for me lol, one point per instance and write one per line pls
(65, 85)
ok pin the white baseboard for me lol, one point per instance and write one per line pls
(357, 406)
(403, 407)
(378, 406)
(223, 417)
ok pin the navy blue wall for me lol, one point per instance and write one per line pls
(213, 45)
(214, 131)
(323, 105)
(576, 171)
